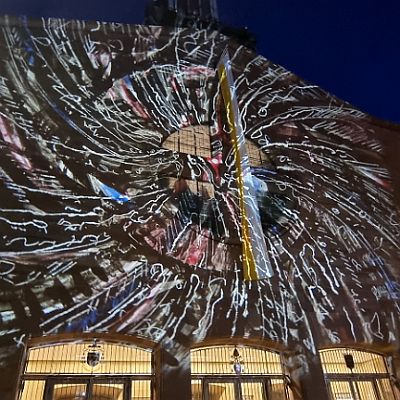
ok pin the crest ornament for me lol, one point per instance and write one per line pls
(93, 354)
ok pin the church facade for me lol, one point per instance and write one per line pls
(182, 218)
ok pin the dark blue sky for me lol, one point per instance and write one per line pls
(350, 48)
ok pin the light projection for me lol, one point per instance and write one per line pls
(256, 264)
(104, 229)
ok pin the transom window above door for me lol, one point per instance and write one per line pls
(237, 373)
(87, 370)
(356, 375)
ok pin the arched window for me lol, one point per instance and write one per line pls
(353, 375)
(87, 369)
(233, 372)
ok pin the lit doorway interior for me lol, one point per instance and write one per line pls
(356, 375)
(87, 370)
(237, 373)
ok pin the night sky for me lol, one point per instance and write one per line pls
(350, 48)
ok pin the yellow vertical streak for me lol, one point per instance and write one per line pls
(249, 265)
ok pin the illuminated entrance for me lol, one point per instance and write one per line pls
(237, 373)
(356, 375)
(87, 370)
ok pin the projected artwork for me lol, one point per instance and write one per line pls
(121, 204)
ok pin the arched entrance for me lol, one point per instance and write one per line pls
(237, 373)
(91, 368)
(353, 374)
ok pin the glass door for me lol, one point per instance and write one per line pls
(230, 389)
(252, 390)
(87, 389)
(106, 391)
(366, 390)
(341, 390)
(77, 391)
(66, 389)
(221, 390)
(141, 390)
(358, 389)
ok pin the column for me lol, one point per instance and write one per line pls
(174, 381)
(10, 369)
(306, 377)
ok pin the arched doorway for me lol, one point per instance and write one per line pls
(356, 375)
(87, 369)
(237, 373)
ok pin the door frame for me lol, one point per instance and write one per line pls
(352, 380)
(89, 381)
(237, 381)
